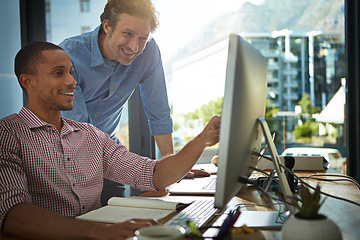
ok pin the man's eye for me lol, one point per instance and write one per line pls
(58, 73)
(127, 34)
(71, 72)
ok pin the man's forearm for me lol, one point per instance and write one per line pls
(165, 144)
(171, 168)
(28, 221)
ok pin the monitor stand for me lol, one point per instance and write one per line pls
(284, 185)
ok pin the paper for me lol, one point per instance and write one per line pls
(122, 209)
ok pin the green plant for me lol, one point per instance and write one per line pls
(310, 202)
(303, 130)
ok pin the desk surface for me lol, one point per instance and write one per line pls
(346, 215)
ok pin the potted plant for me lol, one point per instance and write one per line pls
(308, 223)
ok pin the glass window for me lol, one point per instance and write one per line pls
(63, 19)
(85, 29)
(306, 66)
(84, 5)
(306, 63)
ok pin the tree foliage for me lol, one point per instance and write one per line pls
(206, 111)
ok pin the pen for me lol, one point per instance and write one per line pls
(195, 231)
(226, 225)
(235, 216)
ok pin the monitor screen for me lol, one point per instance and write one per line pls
(244, 102)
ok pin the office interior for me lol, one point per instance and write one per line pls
(24, 21)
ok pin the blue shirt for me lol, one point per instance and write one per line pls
(104, 86)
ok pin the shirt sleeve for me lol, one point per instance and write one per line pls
(13, 181)
(154, 93)
(126, 167)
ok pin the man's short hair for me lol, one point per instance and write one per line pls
(30, 56)
(140, 8)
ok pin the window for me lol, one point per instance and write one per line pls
(305, 64)
(84, 5)
(85, 29)
(317, 73)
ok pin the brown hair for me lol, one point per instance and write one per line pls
(141, 8)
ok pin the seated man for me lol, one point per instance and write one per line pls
(52, 168)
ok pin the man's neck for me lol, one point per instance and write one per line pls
(104, 46)
(50, 116)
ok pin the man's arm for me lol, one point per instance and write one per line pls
(166, 147)
(27, 221)
(165, 144)
(173, 167)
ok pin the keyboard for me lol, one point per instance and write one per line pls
(199, 212)
(211, 184)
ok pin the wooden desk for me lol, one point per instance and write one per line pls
(344, 214)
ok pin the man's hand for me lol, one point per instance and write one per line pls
(197, 173)
(122, 230)
(210, 134)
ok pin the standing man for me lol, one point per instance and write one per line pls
(110, 62)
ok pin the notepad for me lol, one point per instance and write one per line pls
(122, 209)
(262, 219)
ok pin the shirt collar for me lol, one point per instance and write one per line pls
(30, 119)
(96, 56)
(33, 121)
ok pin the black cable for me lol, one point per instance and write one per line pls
(308, 185)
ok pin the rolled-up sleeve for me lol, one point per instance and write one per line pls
(13, 181)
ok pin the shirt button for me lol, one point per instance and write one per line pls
(112, 87)
(96, 115)
(68, 159)
(83, 207)
(73, 184)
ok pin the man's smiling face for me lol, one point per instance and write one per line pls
(54, 85)
(127, 39)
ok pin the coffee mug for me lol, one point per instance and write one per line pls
(160, 232)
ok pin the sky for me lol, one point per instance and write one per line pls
(180, 20)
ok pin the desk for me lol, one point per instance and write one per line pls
(346, 215)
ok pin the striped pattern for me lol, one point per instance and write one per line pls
(62, 171)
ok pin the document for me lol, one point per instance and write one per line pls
(121, 209)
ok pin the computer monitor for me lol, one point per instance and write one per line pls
(241, 133)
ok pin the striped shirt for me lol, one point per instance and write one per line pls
(62, 172)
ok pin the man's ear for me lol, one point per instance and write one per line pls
(26, 80)
(106, 26)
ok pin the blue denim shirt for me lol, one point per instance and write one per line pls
(103, 86)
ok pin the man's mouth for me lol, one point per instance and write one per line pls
(128, 53)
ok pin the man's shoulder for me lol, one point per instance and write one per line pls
(10, 120)
(76, 43)
(11, 124)
(151, 46)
